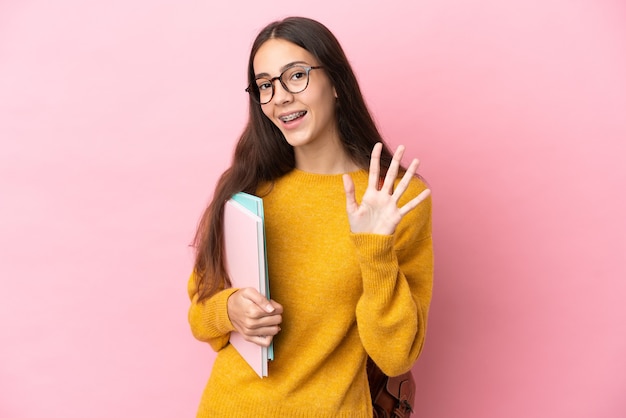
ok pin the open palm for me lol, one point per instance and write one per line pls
(378, 212)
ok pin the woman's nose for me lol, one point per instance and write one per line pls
(281, 94)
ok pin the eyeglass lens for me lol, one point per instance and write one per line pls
(294, 80)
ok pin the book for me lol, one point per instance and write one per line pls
(246, 264)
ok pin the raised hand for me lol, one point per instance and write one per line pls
(254, 317)
(378, 212)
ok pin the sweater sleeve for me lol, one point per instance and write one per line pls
(209, 319)
(397, 272)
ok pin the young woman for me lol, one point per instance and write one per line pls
(348, 241)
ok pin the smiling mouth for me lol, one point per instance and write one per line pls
(292, 116)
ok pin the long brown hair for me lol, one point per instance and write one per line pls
(262, 153)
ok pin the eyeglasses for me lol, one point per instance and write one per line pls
(294, 79)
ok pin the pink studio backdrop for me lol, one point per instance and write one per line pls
(117, 117)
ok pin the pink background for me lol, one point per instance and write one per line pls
(116, 118)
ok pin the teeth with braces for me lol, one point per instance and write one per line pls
(291, 117)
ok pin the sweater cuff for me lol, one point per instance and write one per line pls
(378, 261)
(219, 314)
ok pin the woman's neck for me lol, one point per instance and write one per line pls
(327, 158)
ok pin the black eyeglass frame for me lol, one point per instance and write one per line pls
(253, 89)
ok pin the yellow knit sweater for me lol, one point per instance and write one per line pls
(344, 296)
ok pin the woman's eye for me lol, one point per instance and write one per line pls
(298, 75)
(264, 86)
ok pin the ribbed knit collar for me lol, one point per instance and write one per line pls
(305, 177)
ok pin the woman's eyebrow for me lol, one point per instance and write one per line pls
(283, 68)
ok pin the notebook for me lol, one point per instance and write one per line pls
(246, 263)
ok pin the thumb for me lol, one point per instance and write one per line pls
(258, 299)
(348, 186)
